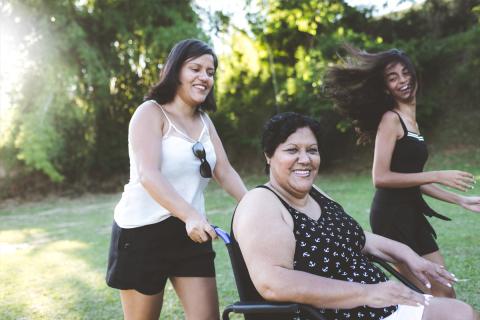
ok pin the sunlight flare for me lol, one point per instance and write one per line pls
(12, 59)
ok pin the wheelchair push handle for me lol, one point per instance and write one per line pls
(222, 234)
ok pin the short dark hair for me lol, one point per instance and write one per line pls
(165, 90)
(279, 127)
(358, 88)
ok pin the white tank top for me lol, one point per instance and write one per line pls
(179, 166)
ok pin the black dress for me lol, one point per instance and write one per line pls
(329, 247)
(399, 213)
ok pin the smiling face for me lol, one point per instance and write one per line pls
(294, 164)
(196, 79)
(398, 81)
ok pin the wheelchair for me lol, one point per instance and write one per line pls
(254, 307)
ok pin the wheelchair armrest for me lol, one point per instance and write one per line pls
(312, 312)
(246, 307)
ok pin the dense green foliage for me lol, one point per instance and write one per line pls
(92, 62)
(279, 65)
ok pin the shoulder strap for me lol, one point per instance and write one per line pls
(320, 198)
(280, 198)
(402, 123)
(163, 111)
(316, 195)
(205, 127)
(170, 123)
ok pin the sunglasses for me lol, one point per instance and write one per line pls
(199, 152)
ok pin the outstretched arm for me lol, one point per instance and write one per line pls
(389, 130)
(471, 203)
(396, 252)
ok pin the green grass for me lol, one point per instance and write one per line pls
(53, 253)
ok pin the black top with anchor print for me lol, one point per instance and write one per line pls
(331, 247)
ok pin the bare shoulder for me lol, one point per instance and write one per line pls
(147, 108)
(148, 114)
(390, 125)
(256, 200)
(389, 117)
(258, 207)
(261, 218)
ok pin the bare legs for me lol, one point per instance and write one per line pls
(437, 290)
(449, 309)
(138, 306)
(198, 296)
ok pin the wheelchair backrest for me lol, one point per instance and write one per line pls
(246, 289)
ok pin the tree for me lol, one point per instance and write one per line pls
(278, 66)
(91, 64)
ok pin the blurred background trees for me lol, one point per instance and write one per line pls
(279, 65)
(91, 62)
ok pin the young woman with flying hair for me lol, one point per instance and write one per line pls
(378, 92)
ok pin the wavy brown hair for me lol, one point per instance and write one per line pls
(358, 89)
(165, 90)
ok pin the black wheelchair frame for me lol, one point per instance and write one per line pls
(297, 311)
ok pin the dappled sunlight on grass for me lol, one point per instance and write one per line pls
(54, 266)
(65, 245)
(18, 236)
(46, 281)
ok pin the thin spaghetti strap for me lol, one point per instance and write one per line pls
(280, 198)
(402, 123)
(170, 123)
(163, 111)
(205, 127)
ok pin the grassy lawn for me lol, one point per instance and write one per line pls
(53, 253)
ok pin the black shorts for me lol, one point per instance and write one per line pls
(403, 222)
(144, 258)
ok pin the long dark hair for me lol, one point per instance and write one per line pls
(165, 90)
(358, 88)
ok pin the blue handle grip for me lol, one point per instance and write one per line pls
(222, 234)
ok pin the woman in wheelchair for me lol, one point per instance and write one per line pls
(300, 246)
